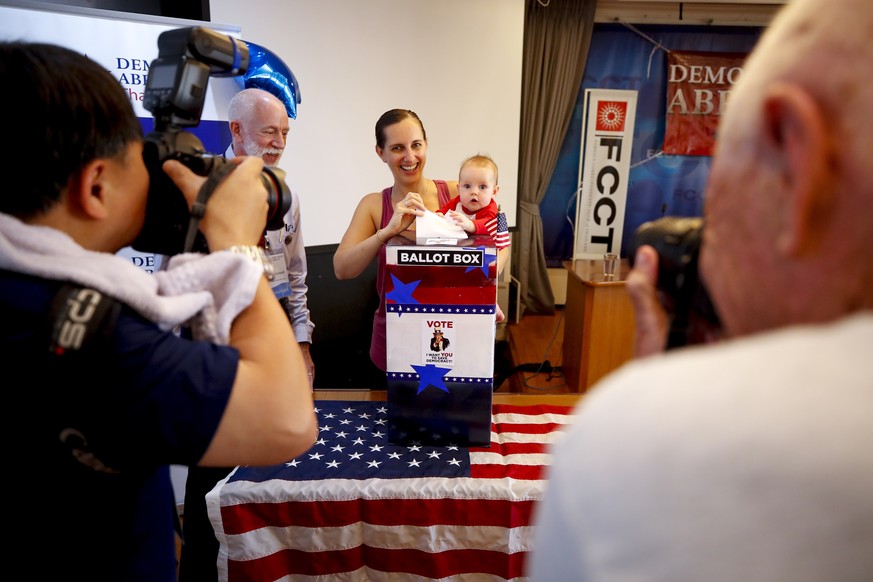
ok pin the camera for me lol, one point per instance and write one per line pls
(682, 293)
(175, 94)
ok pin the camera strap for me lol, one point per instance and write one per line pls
(198, 209)
(79, 316)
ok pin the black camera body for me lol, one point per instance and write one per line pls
(175, 94)
(682, 293)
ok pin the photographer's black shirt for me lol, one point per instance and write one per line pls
(97, 428)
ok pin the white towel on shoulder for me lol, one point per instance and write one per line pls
(205, 292)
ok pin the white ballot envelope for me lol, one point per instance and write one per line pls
(433, 229)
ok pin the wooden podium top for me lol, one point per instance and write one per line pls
(590, 272)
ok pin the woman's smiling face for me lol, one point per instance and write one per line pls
(405, 150)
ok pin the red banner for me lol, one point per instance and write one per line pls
(698, 86)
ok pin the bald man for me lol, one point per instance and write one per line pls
(748, 458)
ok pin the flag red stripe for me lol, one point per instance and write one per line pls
(239, 519)
(522, 472)
(531, 410)
(512, 427)
(515, 449)
(425, 564)
(428, 297)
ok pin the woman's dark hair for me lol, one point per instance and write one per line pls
(394, 116)
(65, 111)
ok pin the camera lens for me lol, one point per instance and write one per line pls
(278, 196)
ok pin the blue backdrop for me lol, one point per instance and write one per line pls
(620, 58)
(215, 135)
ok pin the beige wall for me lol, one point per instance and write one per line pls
(457, 63)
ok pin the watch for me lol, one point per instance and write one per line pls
(258, 255)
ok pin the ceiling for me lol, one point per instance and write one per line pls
(700, 12)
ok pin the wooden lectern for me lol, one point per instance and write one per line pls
(598, 324)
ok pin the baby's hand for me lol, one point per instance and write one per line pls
(461, 220)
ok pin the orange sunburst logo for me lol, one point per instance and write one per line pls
(611, 115)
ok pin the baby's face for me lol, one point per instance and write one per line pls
(477, 185)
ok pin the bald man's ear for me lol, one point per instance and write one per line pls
(234, 128)
(795, 127)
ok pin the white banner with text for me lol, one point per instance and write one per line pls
(604, 169)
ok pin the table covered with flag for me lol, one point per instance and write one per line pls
(357, 507)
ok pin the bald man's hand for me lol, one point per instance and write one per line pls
(651, 321)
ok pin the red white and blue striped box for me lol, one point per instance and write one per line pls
(441, 304)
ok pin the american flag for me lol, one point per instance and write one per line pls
(357, 507)
(498, 228)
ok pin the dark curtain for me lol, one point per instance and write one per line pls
(557, 34)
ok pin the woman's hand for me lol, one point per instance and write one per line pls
(405, 212)
(412, 204)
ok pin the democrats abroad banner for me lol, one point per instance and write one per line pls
(698, 86)
(125, 45)
(604, 168)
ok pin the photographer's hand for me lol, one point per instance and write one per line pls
(270, 411)
(652, 324)
(237, 210)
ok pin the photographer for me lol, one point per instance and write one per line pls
(113, 396)
(747, 458)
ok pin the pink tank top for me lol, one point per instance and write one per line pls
(378, 351)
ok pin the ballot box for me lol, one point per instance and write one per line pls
(441, 305)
